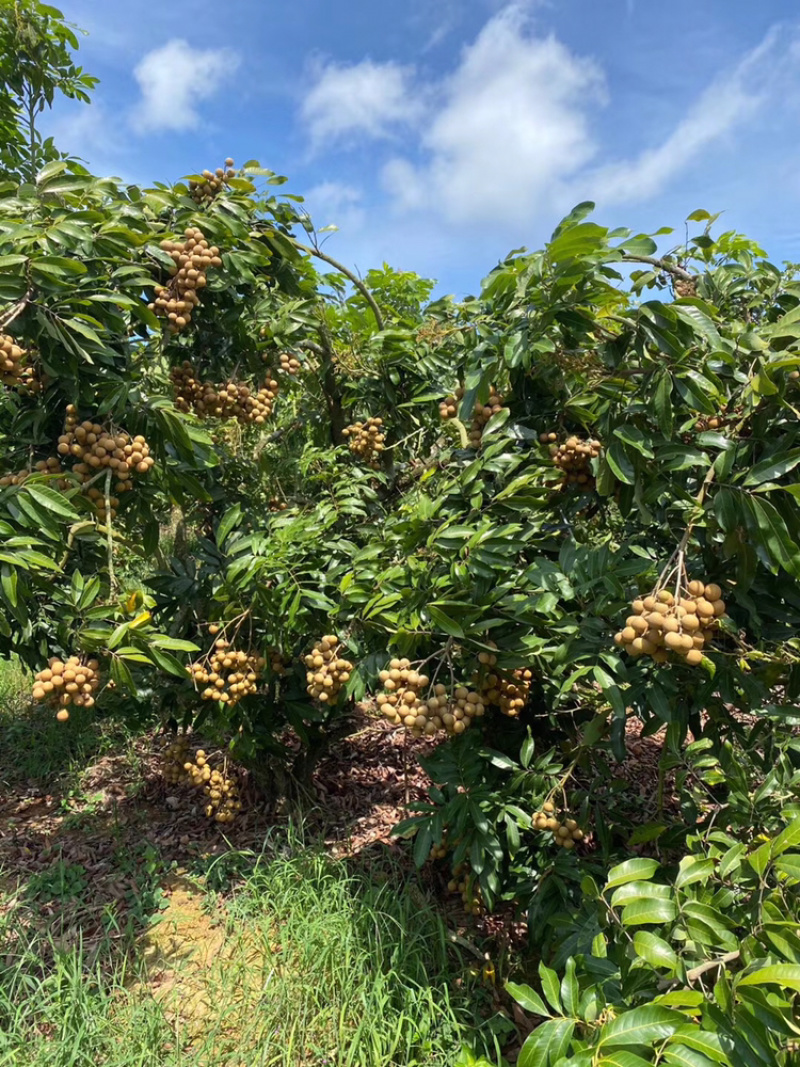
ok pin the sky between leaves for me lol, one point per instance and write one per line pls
(438, 135)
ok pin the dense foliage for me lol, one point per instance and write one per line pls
(598, 425)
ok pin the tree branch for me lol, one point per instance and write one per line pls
(370, 299)
(662, 264)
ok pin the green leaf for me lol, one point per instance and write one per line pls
(550, 986)
(527, 998)
(655, 950)
(770, 469)
(631, 871)
(52, 500)
(662, 402)
(693, 1037)
(686, 1057)
(786, 975)
(786, 839)
(444, 623)
(693, 870)
(649, 911)
(775, 537)
(619, 463)
(229, 520)
(546, 1044)
(620, 1058)
(642, 1026)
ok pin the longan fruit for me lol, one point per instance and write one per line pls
(696, 588)
(694, 658)
(62, 715)
(548, 805)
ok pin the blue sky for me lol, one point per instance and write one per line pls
(437, 135)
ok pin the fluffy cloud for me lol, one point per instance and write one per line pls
(366, 98)
(173, 79)
(335, 204)
(724, 107)
(513, 124)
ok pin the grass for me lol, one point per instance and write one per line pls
(309, 963)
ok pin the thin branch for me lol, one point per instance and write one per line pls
(662, 264)
(370, 299)
(112, 582)
(16, 310)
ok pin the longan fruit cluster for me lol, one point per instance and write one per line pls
(684, 287)
(51, 465)
(566, 834)
(73, 682)
(574, 457)
(327, 670)
(11, 359)
(289, 364)
(712, 422)
(211, 183)
(230, 400)
(465, 883)
(661, 624)
(222, 791)
(277, 661)
(174, 759)
(228, 674)
(191, 259)
(98, 448)
(276, 504)
(404, 701)
(481, 413)
(508, 693)
(366, 440)
(438, 852)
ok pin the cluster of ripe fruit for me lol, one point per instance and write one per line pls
(276, 504)
(712, 422)
(682, 624)
(51, 465)
(72, 682)
(179, 767)
(566, 834)
(211, 183)
(465, 883)
(98, 448)
(366, 440)
(289, 364)
(574, 457)
(230, 400)
(191, 259)
(408, 699)
(327, 671)
(227, 674)
(508, 693)
(12, 356)
(481, 413)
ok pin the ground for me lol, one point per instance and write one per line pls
(203, 928)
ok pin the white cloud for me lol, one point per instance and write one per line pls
(722, 109)
(513, 125)
(335, 204)
(365, 98)
(173, 79)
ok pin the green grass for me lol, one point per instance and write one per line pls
(321, 965)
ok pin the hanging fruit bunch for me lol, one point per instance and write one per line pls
(174, 758)
(277, 662)
(98, 449)
(507, 692)
(51, 465)
(276, 504)
(72, 682)
(228, 674)
(191, 259)
(230, 400)
(574, 457)
(465, 883)
(678, 621)
(12, 357)
(366, 440)
(410, 700)
(211, 183)
(439, 851)
(327, 669)
(566, 832)
(481, 413)
(289, 364)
